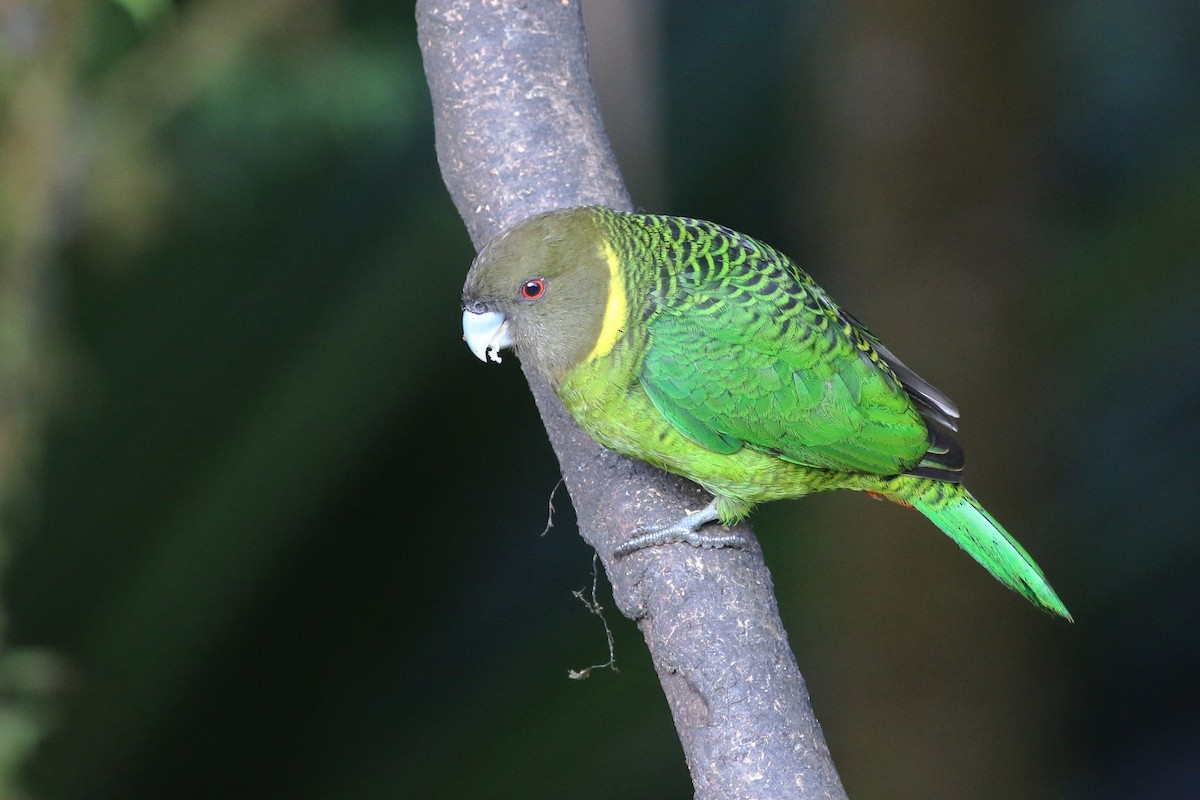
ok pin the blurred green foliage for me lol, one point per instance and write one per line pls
(275, 533)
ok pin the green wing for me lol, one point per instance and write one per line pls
(748, 350)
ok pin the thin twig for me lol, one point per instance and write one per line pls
(592, 604)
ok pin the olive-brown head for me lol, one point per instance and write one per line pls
(541, 287)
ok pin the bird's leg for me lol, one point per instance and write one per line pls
(685, 530)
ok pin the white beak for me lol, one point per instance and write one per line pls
(486, 333)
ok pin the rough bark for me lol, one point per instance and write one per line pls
(518, 132)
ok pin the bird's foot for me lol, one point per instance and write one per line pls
(686, 531)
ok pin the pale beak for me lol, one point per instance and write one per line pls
(486, 333)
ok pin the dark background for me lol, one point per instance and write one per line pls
(279, 532)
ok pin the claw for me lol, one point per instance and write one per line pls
(685, 531)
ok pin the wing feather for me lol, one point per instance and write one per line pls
(783, 370)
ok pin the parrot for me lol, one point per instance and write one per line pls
(709, 354)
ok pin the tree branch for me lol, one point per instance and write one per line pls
(518, 132)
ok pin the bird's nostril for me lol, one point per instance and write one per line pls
(474, 306)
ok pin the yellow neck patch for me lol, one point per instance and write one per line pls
(615, 310)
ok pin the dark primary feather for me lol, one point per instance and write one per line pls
(934, 404)
(945, 458)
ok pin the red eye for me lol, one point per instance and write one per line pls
(533, 289)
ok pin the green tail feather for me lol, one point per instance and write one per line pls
(959, 515)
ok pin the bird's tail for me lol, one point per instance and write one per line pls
(952, 508)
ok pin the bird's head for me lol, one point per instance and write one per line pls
(541, 287)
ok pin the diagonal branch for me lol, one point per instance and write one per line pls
(518, 132)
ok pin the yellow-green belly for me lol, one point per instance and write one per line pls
(620, 416)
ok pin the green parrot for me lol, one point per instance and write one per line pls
(713, 356)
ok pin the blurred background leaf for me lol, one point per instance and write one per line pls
(246, 462)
